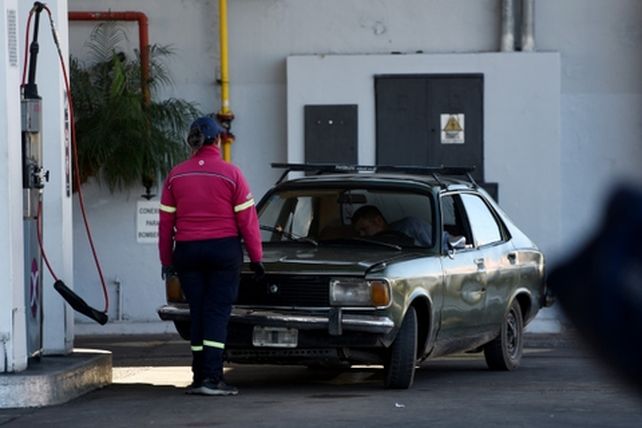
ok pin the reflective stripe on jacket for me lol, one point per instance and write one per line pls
(205, 197)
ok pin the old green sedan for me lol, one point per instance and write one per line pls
(382, 265)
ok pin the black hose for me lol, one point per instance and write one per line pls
(79, 304)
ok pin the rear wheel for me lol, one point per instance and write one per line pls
(505, 351)
(183, 329)
(399, 367)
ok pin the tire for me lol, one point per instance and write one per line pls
(401, 358)
(505, 351)
(183, 329)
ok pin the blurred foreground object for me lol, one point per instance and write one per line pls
(600, 288)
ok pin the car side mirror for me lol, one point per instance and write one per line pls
(455, 243)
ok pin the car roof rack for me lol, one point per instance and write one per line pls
(327, 168)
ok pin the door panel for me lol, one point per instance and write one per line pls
(331, 133)
(491, 239)
(402, 125)
(502, 279)
(415, 111)
(465, 299)
(458, 99)
(465, 295)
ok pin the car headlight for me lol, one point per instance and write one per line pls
(359, 292)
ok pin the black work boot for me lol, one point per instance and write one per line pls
(213, 387)
(194, 387)
(197, 376)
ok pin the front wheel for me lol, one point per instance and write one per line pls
(401, 358)
(505, 351)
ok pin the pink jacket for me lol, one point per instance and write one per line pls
(205, 197)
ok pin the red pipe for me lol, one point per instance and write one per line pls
(143, 38)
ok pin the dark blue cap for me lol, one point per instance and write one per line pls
(209, 127)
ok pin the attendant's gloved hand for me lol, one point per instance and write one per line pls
(167, 271)
(258, 269)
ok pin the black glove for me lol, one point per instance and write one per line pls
(258, 269)
(167, 271)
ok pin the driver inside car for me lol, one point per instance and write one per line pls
(369, 222)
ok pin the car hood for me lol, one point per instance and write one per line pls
(329, 260)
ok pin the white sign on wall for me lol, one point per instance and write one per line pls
(147, 222)
(452, 128)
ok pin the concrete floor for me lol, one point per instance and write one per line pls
(56, 379)
(558, 385)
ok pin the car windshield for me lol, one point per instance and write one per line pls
(359, 216)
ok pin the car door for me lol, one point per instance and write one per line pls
(496, 254)
(464, 303)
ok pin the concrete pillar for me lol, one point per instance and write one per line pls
(13, 345)
(58, 324)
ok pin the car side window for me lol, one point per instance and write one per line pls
(483, 224)
(454, 220)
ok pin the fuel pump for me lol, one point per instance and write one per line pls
(34, 177)
(33, 183)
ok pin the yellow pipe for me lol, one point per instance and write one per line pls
(225, 111)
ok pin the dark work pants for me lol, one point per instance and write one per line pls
(209, 272)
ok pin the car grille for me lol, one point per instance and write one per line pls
(285, 290)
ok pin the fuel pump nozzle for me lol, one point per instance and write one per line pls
(30, 89)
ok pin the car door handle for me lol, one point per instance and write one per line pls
(479, 262)
(512, 258)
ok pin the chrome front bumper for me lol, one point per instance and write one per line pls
(335, 321)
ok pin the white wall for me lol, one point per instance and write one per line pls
(601, 101)
(600, 119)
(113, 221)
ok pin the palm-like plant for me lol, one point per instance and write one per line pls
(121, 137)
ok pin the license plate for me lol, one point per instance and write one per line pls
(277, 337)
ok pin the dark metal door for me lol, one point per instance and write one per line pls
(331, 133)
(430, 120)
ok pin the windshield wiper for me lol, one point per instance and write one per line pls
(368, 241)
(289, 235)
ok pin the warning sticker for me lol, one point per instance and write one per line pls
(452, 128)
